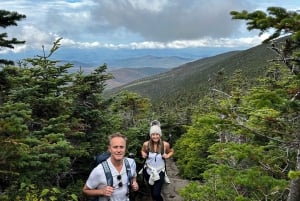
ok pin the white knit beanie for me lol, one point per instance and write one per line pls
(155, 129)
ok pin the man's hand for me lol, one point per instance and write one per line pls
(107, 191)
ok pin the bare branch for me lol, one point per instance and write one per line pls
(216, 90)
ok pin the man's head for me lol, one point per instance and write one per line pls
(117, 146)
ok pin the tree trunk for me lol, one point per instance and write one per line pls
(294, 194)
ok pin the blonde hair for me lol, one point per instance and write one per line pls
(118, 134)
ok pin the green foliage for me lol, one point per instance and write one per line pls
(132, 118)
(257, 126)
(256, 168)
(90, 110)
(191, 151)
(14, 118)
(236, 175)
(132, 108)
(294, 174)
(278, 18)
(8, 18)
(33, 193)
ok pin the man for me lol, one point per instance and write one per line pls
(96, 185)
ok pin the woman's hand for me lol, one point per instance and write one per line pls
(144, 154)
(135, 186)
(165, 156)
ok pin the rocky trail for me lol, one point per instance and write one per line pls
(170, 191)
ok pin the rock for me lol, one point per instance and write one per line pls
(171, 191)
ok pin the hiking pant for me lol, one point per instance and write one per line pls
(156, 187)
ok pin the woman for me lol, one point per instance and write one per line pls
(155, 151)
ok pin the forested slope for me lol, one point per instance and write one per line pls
(188, 82)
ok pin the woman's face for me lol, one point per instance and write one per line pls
(155, 137)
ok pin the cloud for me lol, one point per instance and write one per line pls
(165, 21)
(204, 42)
(133, 24)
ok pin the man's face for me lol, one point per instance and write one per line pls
(117, 148)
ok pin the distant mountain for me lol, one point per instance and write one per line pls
(127, 65)
(126, 75)
(133, 68)
(121, 58)
(150, 61)
(140, 67)
(190, 81)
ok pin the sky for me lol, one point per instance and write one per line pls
(135, 24)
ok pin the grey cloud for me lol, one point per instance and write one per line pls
(177, 20)
(111, 21)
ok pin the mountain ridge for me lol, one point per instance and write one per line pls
(150, 61)
(122, 76)
(191, 80)
(115, 58)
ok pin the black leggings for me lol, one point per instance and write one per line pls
(156, 187)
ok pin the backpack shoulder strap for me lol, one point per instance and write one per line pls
(162, 152)
(128, 170)
(108, 175)
(148, 147)
(107, 172)
(162, 149)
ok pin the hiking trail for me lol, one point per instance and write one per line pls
(170, 191)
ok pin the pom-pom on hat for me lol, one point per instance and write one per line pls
(155, 129)
(155, 122)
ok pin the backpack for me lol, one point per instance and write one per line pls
(102, 159)
(170, 140)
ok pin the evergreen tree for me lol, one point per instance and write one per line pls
(8, 18)
(41, 134)
(91, 107)
(282, 22)
(132, 117)
(258, 147)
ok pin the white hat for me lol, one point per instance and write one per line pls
(155, 129)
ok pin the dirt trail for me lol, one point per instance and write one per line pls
(171, 191)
